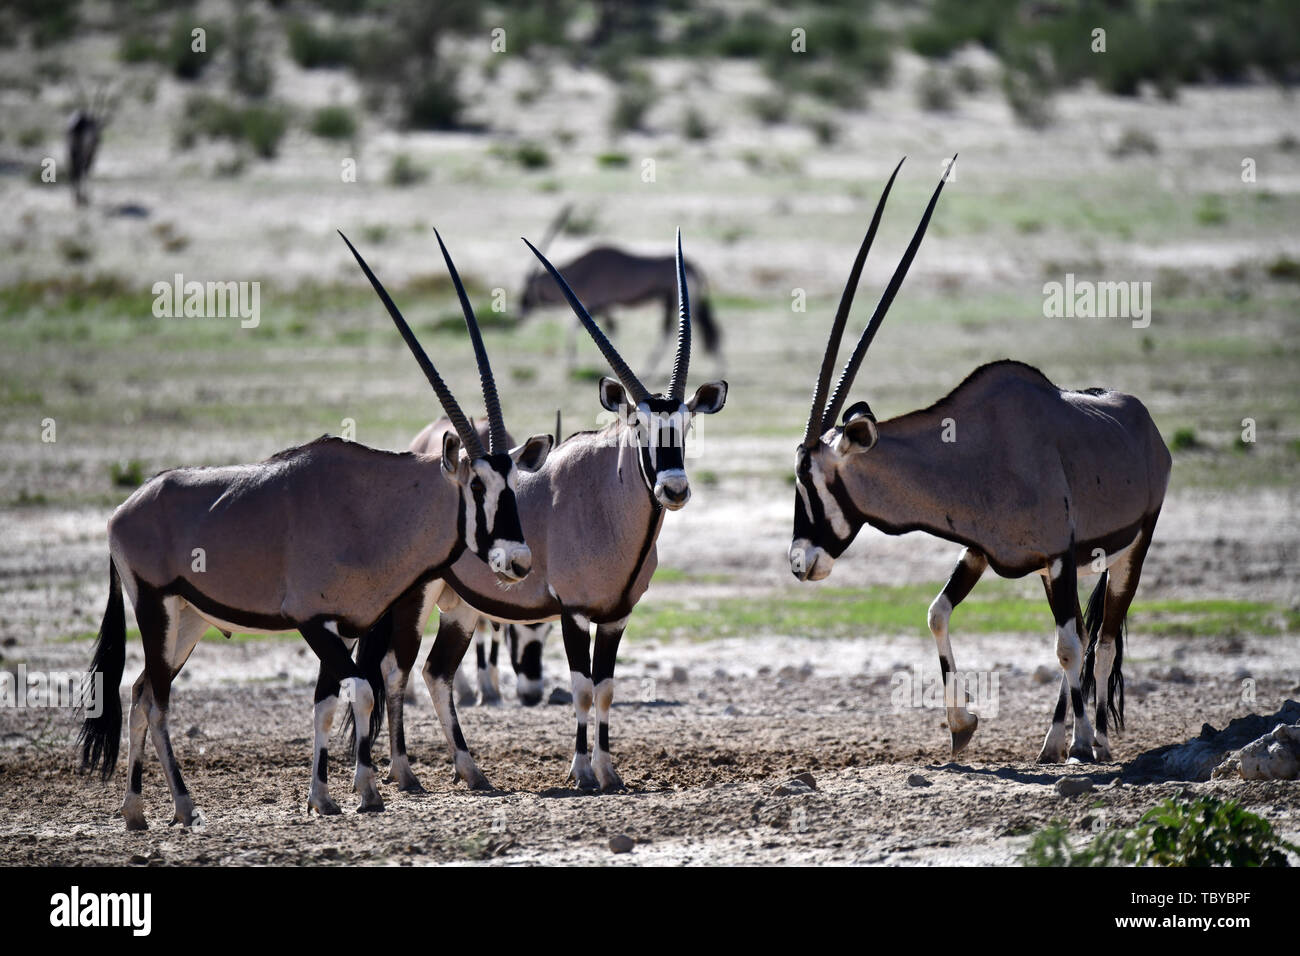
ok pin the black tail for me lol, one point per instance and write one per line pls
(1092, 626)
(101, 736)
(372, 647)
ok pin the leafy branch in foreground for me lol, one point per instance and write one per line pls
(1176, 832)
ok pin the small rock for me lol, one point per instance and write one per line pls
(720, 674)
(730, 711)
(194, 731)
(806, 778)
(1073, 786)
(1177, 675)
(139, 859)
(1044, 674)
(559, 696)
(792, 788)
(621, 843)
(680, 675)
(281, 675)
(1241, 673)
(916, 780)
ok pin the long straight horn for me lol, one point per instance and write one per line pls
(468, 437)
(887, 297)
(814, 430)
(682, 363)
(496, 425)
(620, 368)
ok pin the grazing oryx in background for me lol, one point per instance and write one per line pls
(592, 514)
(1038, 479)
(320, 539)
(605, 277)
(85, 126)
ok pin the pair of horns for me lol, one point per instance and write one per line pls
(823, 413)
(469, 437)
(681, 361)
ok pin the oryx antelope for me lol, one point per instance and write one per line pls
(320, 539)
(605, 277)
(1039, 479)
(592, 514)
(84, 129)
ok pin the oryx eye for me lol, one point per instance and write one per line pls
(476, 485)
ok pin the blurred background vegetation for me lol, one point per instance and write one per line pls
(406, 54)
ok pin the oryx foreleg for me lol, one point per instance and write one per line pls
(168, 631)
(1063, 596)
(602, 676)
(961, 722)
(455, 631)
(577, 641)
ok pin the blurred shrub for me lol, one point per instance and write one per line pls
(180, 55)
(333, 122)
(635, 97)
(402, 171)
(315, 49)
(771, 108)
(933, 91)
(260, 127)
(1134, 141)
(251, 71)
(694, 126)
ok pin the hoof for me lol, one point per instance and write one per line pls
(1080, 755)
(1101, 753)
(960, 738)
(411, 785)
(1052, 755)
(584, 779)
(476, 781)
(324, 806)
(136, 823)
(375, 805)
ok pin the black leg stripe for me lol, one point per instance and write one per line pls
(603, 736)
(322, 764)
(580, 746)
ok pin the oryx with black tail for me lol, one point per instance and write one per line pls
(592, 515)
(320, 539)
(606, 277)
(1039, 479)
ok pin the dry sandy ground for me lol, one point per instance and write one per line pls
(703, 735)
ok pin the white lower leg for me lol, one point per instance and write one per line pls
(133, 803)
(1069, 650)
(364, 781)
(318, 797)
(580, 770)
(602, 763)
(1103, 661)
(181, 798)
(466, 770)
(961, 722)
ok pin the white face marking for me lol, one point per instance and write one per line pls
(493, 487)
(830, 507)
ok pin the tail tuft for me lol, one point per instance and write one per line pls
(101, 735)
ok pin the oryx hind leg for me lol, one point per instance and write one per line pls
(1120, 582)
(169, 629)
(577, 647)
(487, 642)
(1063, 597)
(409, 615)
(137, 733)
(961, 722)
(455, 631)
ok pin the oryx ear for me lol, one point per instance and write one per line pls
(531, 455)
(612, 396)
(450, 453)
(859, 433)
(709, 398)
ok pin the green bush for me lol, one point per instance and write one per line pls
(934, 93)
(1201, 832)
(635, 97)
(402, 171)
(532, 156)
(314, 49)
(181, 57)
(433, 102)
(261, 127)
(334, 122)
